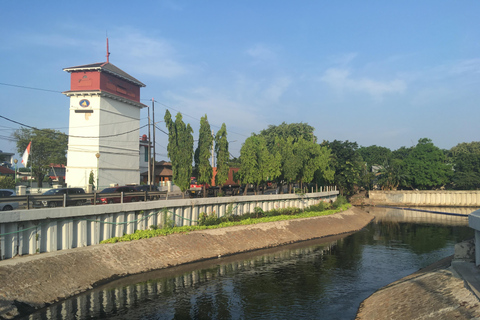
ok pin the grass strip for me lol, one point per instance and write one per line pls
(150, 233)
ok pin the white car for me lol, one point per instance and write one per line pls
(4, 206)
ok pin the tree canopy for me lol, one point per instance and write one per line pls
(223, 155)
(48, 147)
(426, 166)
(465, 159)
(347, 164)
(180, 149)
(203, 168)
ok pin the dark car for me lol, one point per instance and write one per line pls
(59, 202)
(148, 188)
(105, 196)
(145, 187)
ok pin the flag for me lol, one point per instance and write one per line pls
(26, 154)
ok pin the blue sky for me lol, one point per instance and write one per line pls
(383, 73)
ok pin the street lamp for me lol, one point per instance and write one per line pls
(98, 157)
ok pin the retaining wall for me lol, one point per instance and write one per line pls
(24, 232)
(448, 198)
(38, 279)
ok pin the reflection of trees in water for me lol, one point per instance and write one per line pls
(430, 215)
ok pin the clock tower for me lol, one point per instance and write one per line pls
(104, 126)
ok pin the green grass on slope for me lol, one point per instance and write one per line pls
(143, 234)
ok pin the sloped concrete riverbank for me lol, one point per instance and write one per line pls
(31, 282)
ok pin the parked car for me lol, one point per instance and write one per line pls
(61, 192)
(5, 193)
(147, 188)
(102, 196)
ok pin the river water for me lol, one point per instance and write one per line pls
(321, 279)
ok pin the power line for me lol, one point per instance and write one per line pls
(56, 91)
(31, 88)
(72, 136)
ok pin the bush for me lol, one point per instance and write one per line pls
(208, 220)
(258, 212)
(322, 206)
(341, 200)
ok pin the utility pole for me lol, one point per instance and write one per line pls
(149, 151)
(154, 149)
(213, 154)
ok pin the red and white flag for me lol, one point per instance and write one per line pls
(26, 154)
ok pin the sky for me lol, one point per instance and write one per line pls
(383, 73)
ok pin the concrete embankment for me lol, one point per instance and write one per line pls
(447, 289)
(33, 281)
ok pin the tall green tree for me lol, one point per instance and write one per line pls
(285, 130)
(257, 164)
(203, 168)
(374, 155)
(287, 143)
(48, 147)
(180, 149)
(465, 159)
(347, 163)
(222, 154)
(392, 174)
(426, 166)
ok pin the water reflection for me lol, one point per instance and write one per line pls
(322, 279)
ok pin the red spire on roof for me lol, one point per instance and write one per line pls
(108, 53)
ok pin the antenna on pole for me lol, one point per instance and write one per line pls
(108, 52)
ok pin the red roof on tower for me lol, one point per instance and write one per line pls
(108, 68)
(106, 79)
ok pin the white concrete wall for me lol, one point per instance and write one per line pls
(452, 198)
(25, 232)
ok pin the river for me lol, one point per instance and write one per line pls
(321, 279)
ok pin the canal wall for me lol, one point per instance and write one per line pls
(436, 198)
(25, 232)
(33, 281)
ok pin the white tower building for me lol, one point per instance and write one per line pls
(104, 126)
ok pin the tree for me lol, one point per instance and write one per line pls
(284, 130)
(48, 147)
(392, 174)
(7, 183)
(203, 169)
(180, 149)
(91, 179)
(221, 151)
(282, 142)
(257, 164)
(374, 155)
(465, 159)
(426, 166)
(347, 164)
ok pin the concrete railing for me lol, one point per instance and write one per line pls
(24, 232)
(474, 223)
(427, 198)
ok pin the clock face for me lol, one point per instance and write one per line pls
(84, 103)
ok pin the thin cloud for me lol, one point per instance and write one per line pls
(341, 80)
(261, 52)
(276, 89)
(149, 56)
